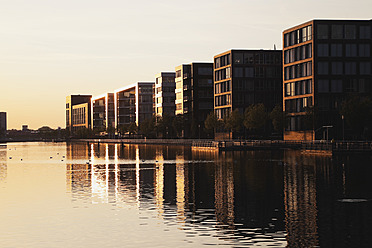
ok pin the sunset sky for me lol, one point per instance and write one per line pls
(51, 48)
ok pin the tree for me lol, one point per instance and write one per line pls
(178, 124)
(357, 113)
(212, 123)
(277, 118)
(233, 121)
(164, 125)
(255, 116)
(148, 127)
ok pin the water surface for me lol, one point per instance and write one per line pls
(106, 195)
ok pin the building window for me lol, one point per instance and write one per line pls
(248, 58)
(350, 50)
(364, 50)
(350, 68)
(337, 32)
(350, 32)
(322, 32)
(336, 86)
(365, 68)
(337, 68)
(323, 68)
(323, 50)
(238, 58)
(336, 50)
(365, 32)
(323, 86)
(238, 72)
(249, 72)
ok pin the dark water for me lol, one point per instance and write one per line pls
(75, 195)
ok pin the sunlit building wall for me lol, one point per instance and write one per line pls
(165, 94)
(103, 111)
(81, 116)
(77, 102)
(134, 103)
(324, 62)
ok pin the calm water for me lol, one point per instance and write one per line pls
(75, 195)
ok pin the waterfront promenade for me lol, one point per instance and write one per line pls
(321, 147)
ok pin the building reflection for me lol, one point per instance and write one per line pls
(224, 190)
(3, 163)
(300, 200)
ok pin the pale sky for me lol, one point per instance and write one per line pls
(50, 49)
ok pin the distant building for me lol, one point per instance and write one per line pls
(134, 103)
(194, 95)
(103, 111)
(325, 62)
(3, 124)
(245, 77)
(78, 112)
(165, 94)
(25, 128)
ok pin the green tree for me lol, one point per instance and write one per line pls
(234, 121)
(357, 112)
(277, 118)
(164, 125)
(212, 123)
(148, 127)
(255, 117)
(178, 124)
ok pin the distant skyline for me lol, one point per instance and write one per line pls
(52, 49)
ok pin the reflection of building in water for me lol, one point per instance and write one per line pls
(224, 192)
(3, 164)
(300, 200)
(159, 183)
(181, 186)
(102, 179)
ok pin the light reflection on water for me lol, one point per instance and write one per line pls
(107, 195)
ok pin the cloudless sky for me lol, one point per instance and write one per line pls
(50, 49)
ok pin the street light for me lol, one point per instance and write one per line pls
(343, 127)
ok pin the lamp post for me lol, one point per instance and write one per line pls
(199, 131)
(343, 127)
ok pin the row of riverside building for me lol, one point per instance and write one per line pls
(322, 63)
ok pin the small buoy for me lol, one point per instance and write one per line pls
(10, 157)
(63, 156)
(21, 159)
(57, 153)
(156, 161)
(51, 157)
(62, 160)
(143, 160)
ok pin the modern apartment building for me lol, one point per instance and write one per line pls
(103, 111)
(3, 124)
(245, 77)
(324, 62)
(194, 95)
(165, 94)
(134, 103)
(78, 112)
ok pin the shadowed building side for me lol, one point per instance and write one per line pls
(194, 96)
(246, 77)
(325, 62)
